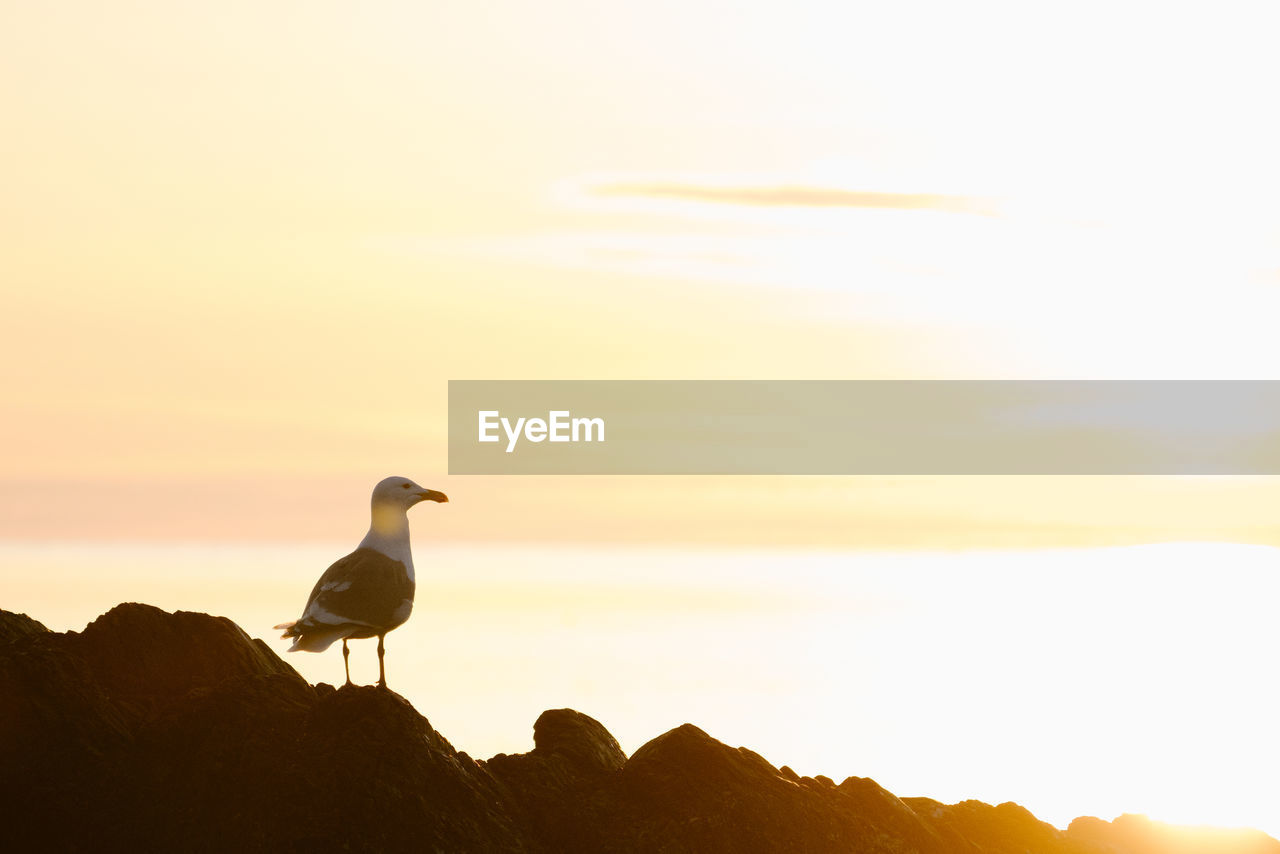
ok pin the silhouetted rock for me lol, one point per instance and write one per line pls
(1137, 834)
(14, 626)
(685, 791)
(152, 731)
(145, 657)
(1004, 829)
(581, 739)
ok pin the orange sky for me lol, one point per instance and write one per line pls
(252, 244)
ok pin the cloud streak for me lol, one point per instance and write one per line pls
(799, 196)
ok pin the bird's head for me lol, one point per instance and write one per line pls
(402, 493)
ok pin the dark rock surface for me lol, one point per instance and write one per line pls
(151, 731)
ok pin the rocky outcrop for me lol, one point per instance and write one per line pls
(686, 791)
(1137, 834)
(152, 731)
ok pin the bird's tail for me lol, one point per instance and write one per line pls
(313, 638)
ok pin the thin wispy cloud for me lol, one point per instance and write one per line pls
(798, 196)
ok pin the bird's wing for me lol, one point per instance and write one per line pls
(365, 588)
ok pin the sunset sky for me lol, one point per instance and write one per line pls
(246, 246)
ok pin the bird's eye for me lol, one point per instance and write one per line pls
(404, 486)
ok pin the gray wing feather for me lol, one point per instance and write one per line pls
(365, 588)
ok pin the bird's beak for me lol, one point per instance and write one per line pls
(432, 495)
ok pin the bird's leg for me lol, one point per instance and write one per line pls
(382, 672)
(346, 654)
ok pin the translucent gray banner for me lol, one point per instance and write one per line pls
(888, 427)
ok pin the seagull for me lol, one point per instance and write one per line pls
(370, 591)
